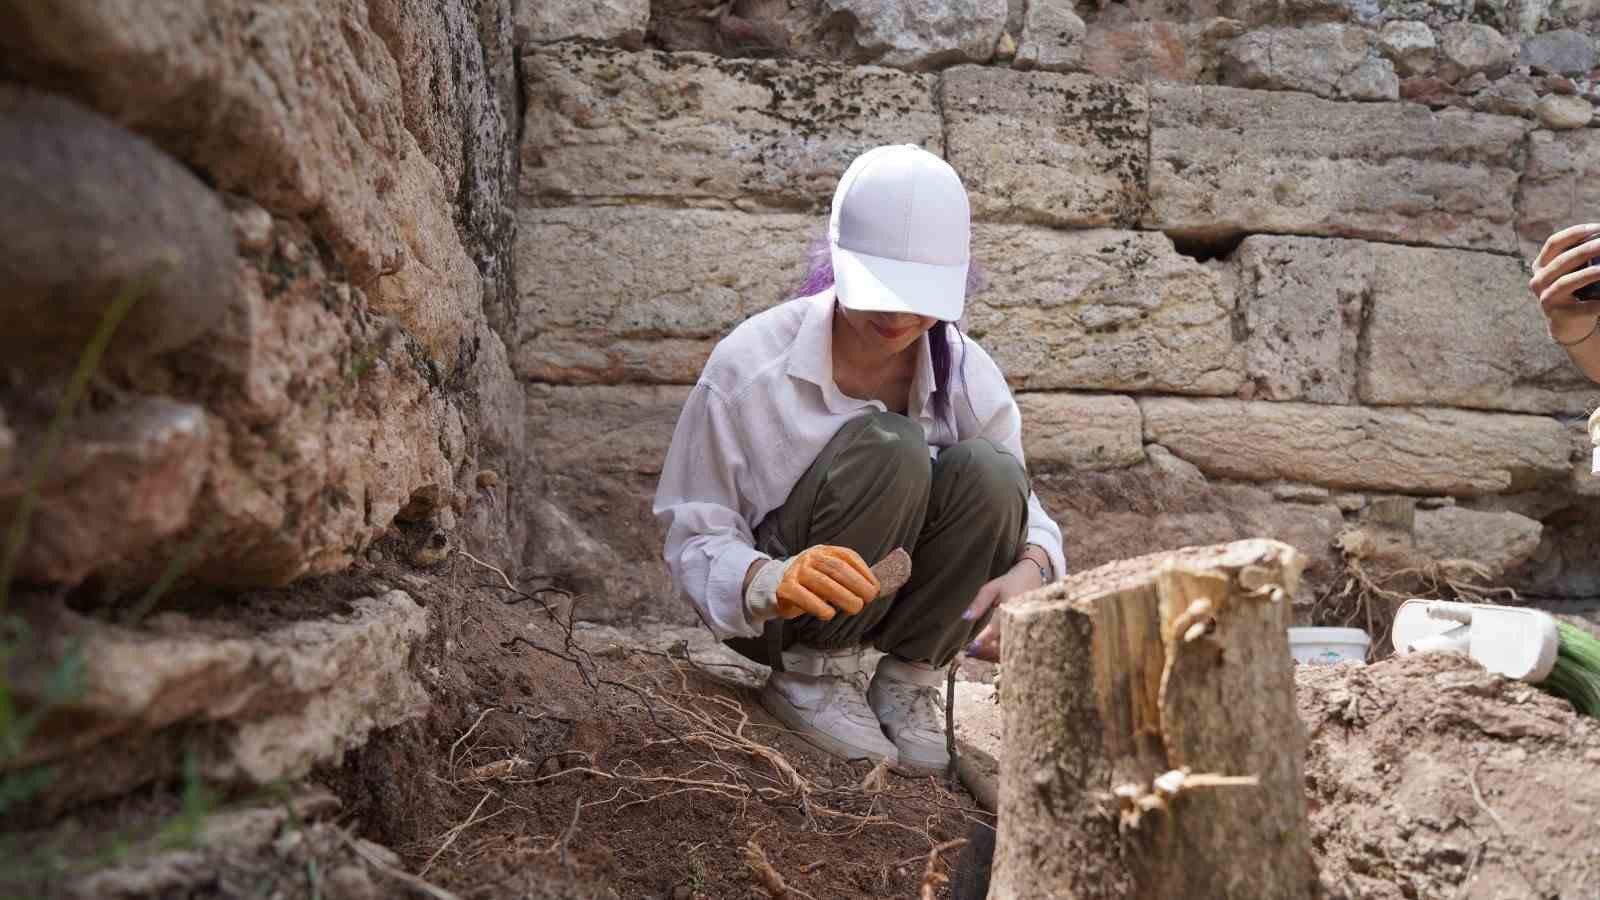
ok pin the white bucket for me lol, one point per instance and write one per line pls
(1326, 646)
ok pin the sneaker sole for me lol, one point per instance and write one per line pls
(922, 767)
(773, 701)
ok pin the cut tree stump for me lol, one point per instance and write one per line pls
(1152, 748)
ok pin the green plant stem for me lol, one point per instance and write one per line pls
(1576, 675)
(77, 386)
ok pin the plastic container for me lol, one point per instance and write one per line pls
(1326, 646)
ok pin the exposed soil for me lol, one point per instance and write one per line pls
(560, 764)
(1429, 777)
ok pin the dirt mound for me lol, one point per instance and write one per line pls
(1427, 776)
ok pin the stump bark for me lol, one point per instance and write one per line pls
(1116, 677)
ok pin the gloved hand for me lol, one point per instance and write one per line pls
(822, 581)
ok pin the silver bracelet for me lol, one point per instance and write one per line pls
(1589, 334)
(1044, 577)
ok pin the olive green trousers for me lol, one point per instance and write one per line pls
(962, 517)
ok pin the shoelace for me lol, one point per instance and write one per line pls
(923, 705)
(848, 692)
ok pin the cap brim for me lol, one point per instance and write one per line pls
(877, 284)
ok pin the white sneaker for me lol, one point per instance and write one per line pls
(908, 699)
(820, 696)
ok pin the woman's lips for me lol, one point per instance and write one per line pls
(889, 334)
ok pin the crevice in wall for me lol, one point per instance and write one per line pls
(1206, 246)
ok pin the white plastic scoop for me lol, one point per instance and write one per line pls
(1517, 643)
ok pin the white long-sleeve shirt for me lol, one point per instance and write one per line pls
(763, 409)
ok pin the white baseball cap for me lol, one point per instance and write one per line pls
(900, 234)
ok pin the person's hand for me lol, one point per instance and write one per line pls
(1023, 577)
(821, 581)
(1561, 268)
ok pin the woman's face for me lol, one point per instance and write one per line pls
(891, 332)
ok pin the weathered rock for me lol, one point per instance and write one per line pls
(1559, 84)
(1052, 37)
(1498, 540)
(1330, 60)
(1444, 451)
(1513, 95)
(694, 128)
(1058, 149)
(1468, 47)
(620, 21)
(1560, 187)
(1457, 328)
(307, 120)
(324, 418)
(1561, 112)
(1102, 310)
(923, 34)
(290, 698)
(1226, 161)
(1302, 300)
(1409, 45)
(614, 294)
(1434, 92)
(1136, 51)
(94, 211)
(124, 479)
(1080, 432)
(1564, 52)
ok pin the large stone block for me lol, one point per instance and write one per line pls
(1302, 300)
(617, 294)
(1409, 450)
(543, 21)
(1103, 310)
(1041, 147)
(94, 210)
(1225, 161)
(1434, 327)
(605, 125)
(1457, 328)
(301, 110)
(1080, 431)
(1560, 187)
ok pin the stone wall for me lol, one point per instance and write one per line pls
(1253, 264)
(322, 192)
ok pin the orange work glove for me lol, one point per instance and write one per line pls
(821, 581)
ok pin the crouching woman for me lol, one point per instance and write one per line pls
(830, 430)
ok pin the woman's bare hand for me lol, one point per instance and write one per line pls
(1560, 269)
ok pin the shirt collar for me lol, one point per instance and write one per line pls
(811, 359)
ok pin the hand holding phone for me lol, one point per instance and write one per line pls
(1589, 293)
